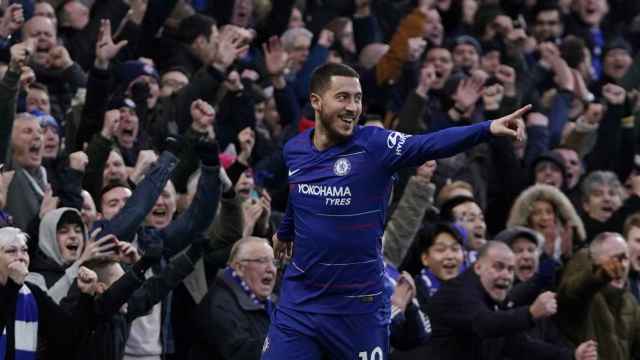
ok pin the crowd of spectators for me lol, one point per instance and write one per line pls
(142, 175)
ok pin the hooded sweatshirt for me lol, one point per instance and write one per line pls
(49, 270)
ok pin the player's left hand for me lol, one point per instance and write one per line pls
(510, 125)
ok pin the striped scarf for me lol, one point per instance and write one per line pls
(230, 273)
(430, 281)
(26, 327)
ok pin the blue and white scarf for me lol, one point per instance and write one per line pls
(430, 281)
(25, 328)
(230, 273)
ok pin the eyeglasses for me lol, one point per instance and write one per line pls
(263, 261)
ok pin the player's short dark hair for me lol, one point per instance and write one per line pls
(321, 77)
(194, 26)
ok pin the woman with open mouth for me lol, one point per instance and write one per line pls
(548, 211)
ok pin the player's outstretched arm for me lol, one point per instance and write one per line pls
(511, 125)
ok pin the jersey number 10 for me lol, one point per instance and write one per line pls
(376, 354)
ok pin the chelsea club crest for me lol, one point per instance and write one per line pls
(342, 167)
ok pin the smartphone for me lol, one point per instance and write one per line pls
(255, 194)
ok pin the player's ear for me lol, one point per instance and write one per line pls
(316, 101)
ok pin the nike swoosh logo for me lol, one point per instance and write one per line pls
(293, 172)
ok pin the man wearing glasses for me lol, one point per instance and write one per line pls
(237, 307)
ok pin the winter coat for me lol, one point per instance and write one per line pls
(590, 309)
(231, 325)
(48, 269)
(565, 212)
(634, 284)
(468, 324)
(24, 196)
(407, 219)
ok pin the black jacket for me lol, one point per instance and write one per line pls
(468, 324)
(58, 325)
(231, 325)
(108, 339)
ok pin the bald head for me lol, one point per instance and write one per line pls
(38, 24)
(239, 249)
(608, 248)
(491, 247)
(75, 15)
(43, 32)
(607, 244)
(496, 269)
(45, 9)
(252, 260)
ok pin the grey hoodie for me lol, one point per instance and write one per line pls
(49, 247)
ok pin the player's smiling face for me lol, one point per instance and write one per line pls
(339, 106)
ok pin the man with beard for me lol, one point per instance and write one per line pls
(471, 319)
(547, 24)
(340, 179)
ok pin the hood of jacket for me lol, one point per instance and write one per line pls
(522, 207)
(47, 242)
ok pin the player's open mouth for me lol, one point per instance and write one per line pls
(349, 119)
(502, 285)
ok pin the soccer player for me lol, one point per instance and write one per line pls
(332, 300)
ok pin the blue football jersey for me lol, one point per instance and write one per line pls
(336, 211)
